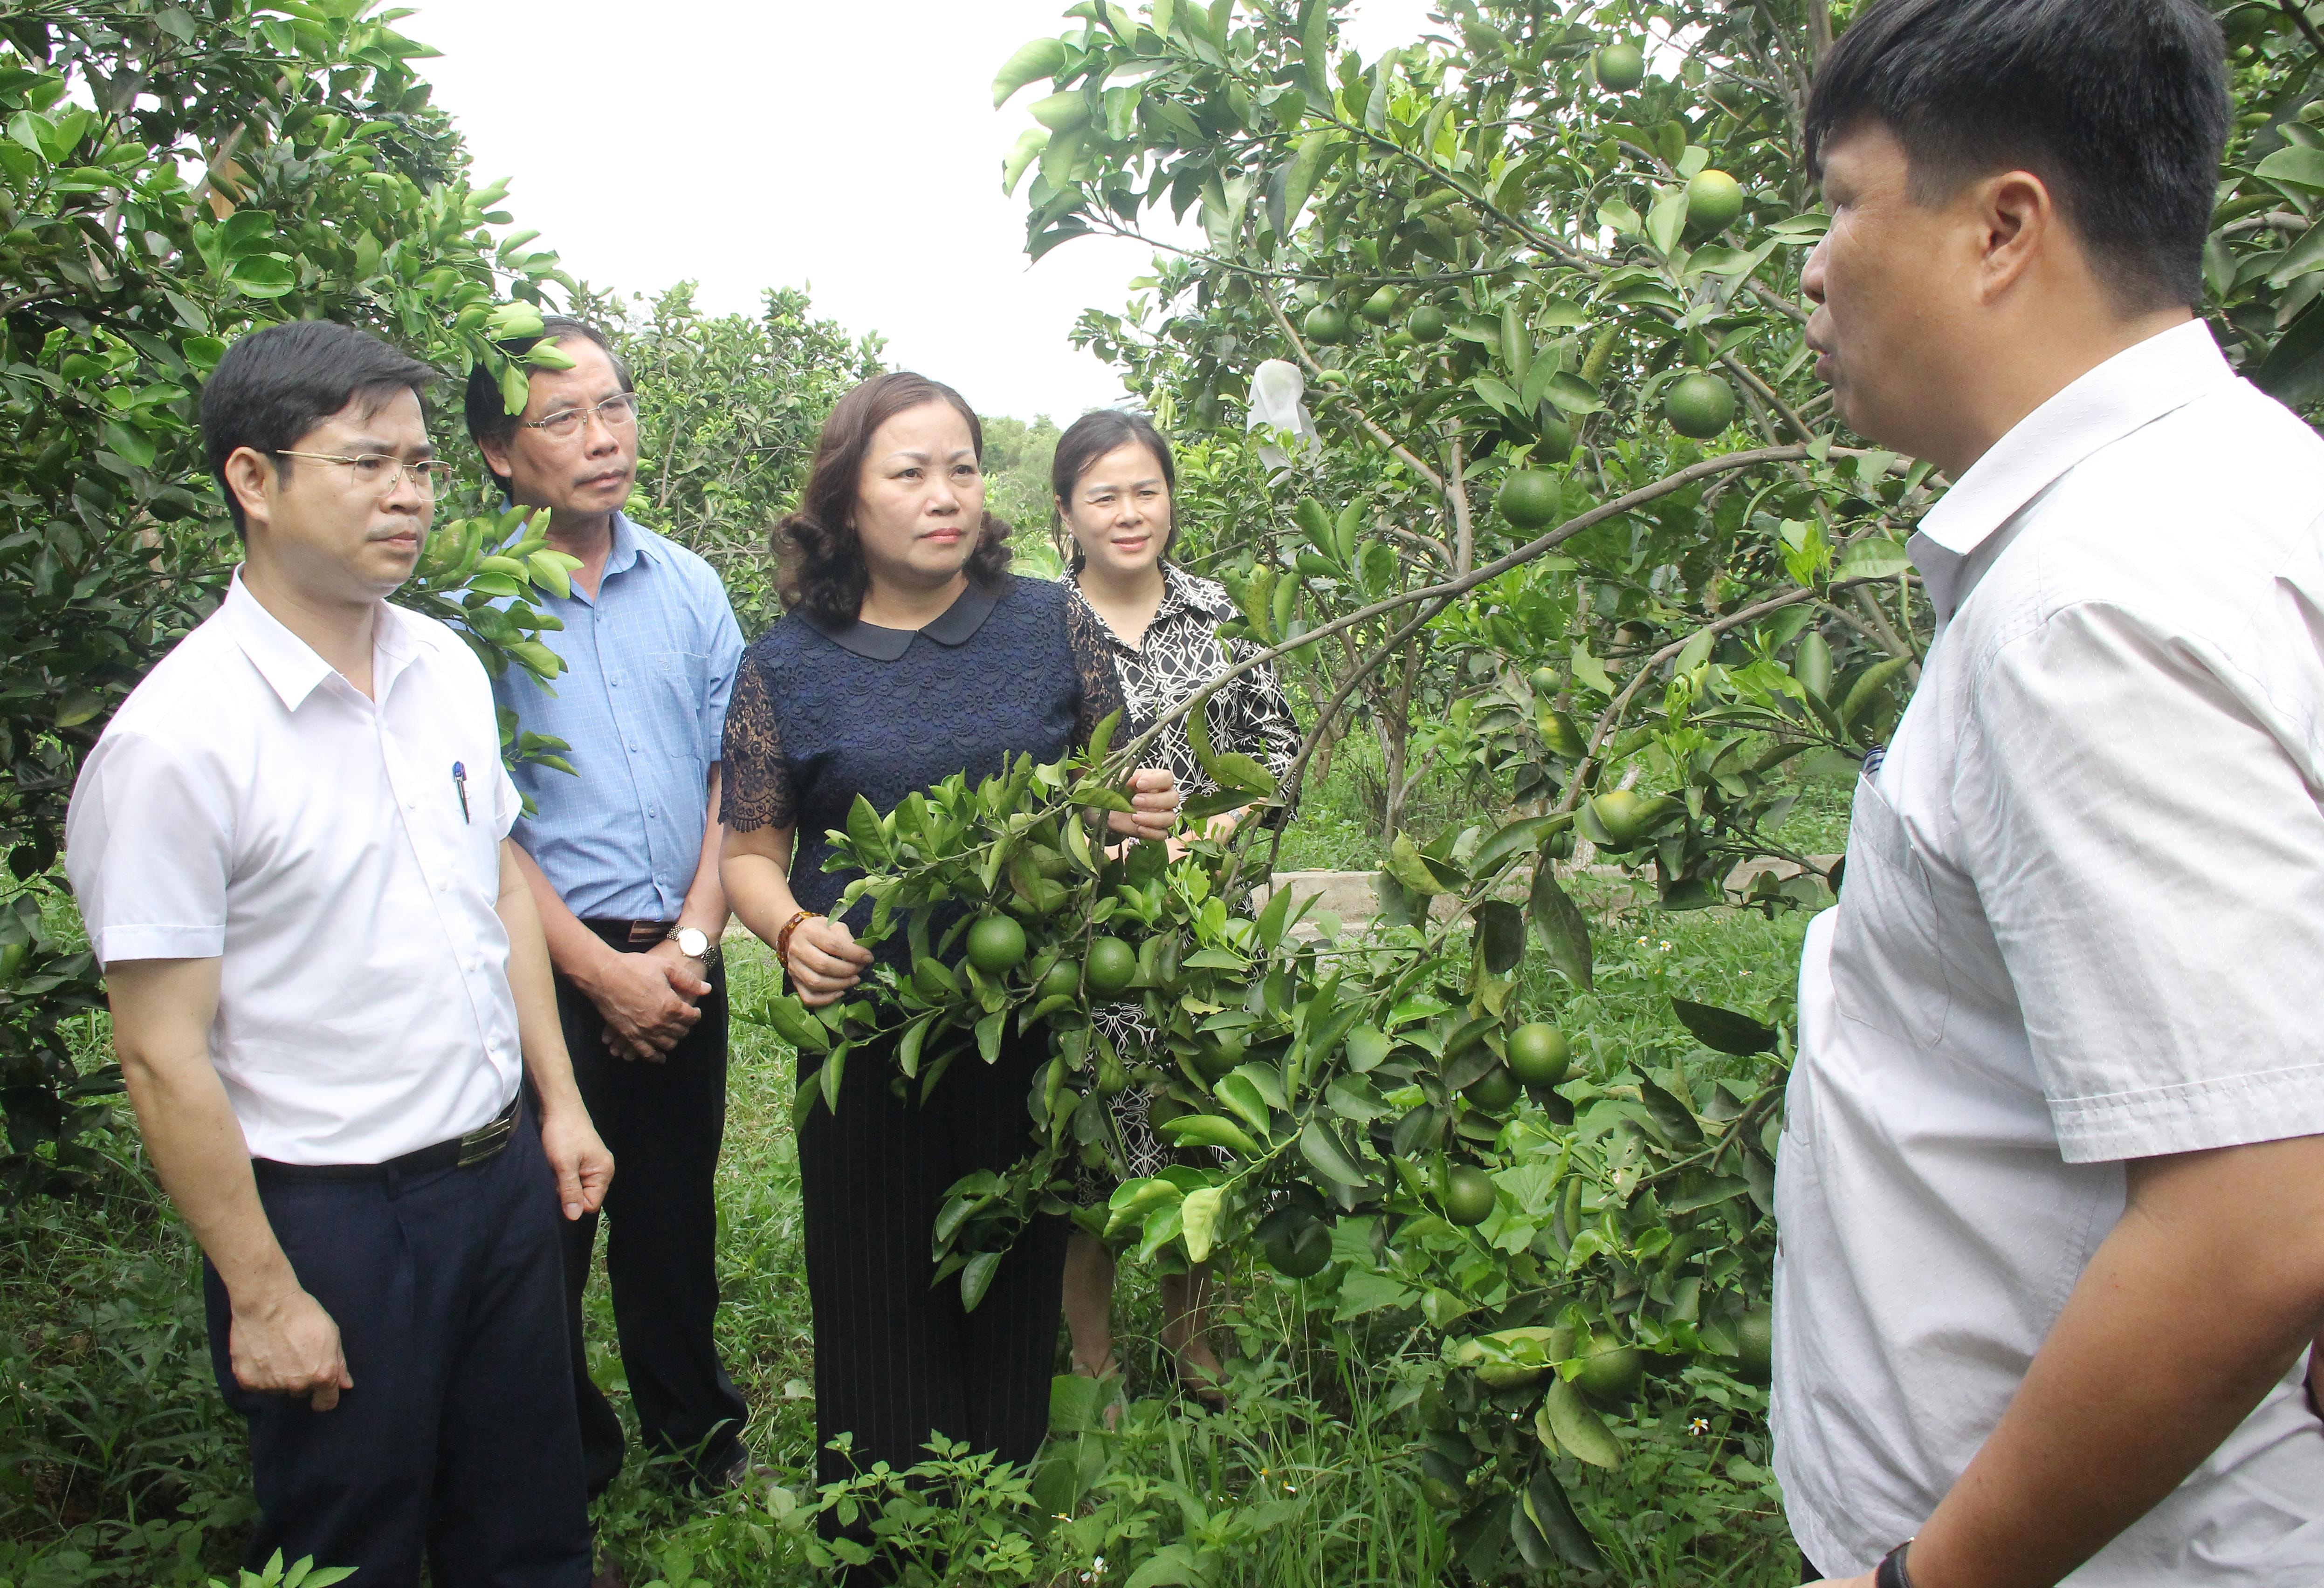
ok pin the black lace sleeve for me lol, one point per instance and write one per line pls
(756, 785)
(1102, 694)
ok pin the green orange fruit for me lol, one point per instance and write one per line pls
(1295, 1241)
(1530, 498)
(996, 945)
(1493, 1091)
(1715, 202)
(1620, 66)
(1627, 815)
(1610, 1371)
(1754, 1345)
(1112, 965)
(1379, 308)
(1539, 1054)
(1062, 981)
(1467, 1196)
(1556, 443)
(1427, 324)
(1325, 323)
(1699, 406)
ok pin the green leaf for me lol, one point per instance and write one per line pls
(1666, 220)
(1198, 1218)
(1564, 932)
(988, 1036)
(1272, 920)
(1723, 1031)
(1241, 772)
(1500, 935)
(1299, 181)
(1565, 1422)
(549, 571)
(1547, 1507)
(1327, 1157)
(1368, 1048)
(1210, 1130)
(1572, 394)
(863, 831)
(1515, 839)
(2295, 165)
(1043, 57)
(1405, 864)
(262, 275)
(1868, 689)
(976, 1278)
(1876, 557)
(1238, 1093)
(1020, 160)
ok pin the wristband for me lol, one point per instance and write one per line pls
(1891, 1571)
(783, 939)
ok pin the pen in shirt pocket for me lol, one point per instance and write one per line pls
(460, 781)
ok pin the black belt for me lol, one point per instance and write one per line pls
(632, 935)
(479, 1144)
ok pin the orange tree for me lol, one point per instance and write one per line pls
(174, 173)
(1498, 418)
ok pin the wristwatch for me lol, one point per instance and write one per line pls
(695, 944)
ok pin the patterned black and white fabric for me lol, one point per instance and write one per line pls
(1179, 653)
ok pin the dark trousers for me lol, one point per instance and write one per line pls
(664, 1124)
(458, 1440)
(896, 1359)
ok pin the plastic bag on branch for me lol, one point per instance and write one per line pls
(1277, 388)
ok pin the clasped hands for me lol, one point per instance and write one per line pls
(826, 960)
(649, 1001)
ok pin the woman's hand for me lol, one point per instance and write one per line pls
(825, 961)
(1154, 799)
(1219, 828)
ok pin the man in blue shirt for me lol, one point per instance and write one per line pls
(624, 863)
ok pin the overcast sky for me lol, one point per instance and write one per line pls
(850, 148)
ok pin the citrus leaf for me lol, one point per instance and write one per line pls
(1723, 1031)
(1566, 1422)
(1198, 1218)
(1500, 935)
(1043, 57)
(1327, 1157)
(1563, 930)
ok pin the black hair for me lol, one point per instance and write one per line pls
(487, 410)
(2119, 105)
(818, 559)
(1098, 433)
(275, 385)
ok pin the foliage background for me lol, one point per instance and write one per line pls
(173, 173)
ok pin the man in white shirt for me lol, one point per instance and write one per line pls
(2052, 1185)
(328, 981)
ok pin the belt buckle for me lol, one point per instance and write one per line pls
(484, 1141)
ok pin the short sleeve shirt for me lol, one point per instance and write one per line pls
(339, 858)
(2081, 921)
(649, 661)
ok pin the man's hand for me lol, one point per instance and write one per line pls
(288, 1346)
(584, 1169)
(1154, 801)
(647, 1001)
(825, 961)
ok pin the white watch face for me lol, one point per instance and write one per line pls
(693, 942)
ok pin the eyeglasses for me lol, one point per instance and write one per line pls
(619, 413)
(376, 470)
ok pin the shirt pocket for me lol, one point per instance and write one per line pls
(677, 685)
(1889, 967)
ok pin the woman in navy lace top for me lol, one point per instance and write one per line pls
(909, 654)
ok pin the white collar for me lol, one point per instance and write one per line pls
(2129, 391)
(291, 667)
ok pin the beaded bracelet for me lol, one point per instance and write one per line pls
(783, 939)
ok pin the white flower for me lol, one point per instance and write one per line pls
(1699, 1426)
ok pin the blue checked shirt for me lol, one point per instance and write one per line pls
(648, 665)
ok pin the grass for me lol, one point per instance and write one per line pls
(118, 1463)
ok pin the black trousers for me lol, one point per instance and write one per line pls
(459, 1441)
(896, 1359)
(664, 1124)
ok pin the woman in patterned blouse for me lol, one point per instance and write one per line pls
(1113, 477)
